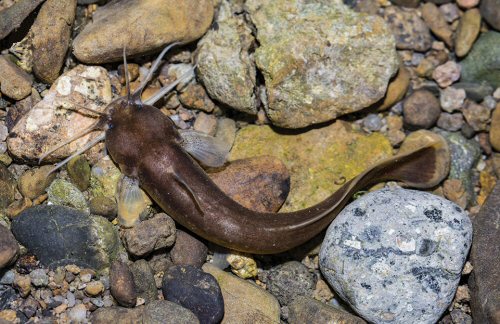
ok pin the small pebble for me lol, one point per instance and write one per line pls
(39, 278)
(421, 109)
(188, 250)
(206, 124)
(242, 265)
(23, 285)
(372, 122)
(9, 249)
(477, 116)
(450, 122)
(122, 284)
(94, 288)
(446, 74)
(467, 32)
(451, 99)
(450, 12)
(467, 4)
(78, 314)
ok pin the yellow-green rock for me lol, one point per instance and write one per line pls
(320, 160)
(104, 178)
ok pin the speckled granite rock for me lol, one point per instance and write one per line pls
(320, 59)
(410, 30)
(397, 255)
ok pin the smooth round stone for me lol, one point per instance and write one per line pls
(397, 255)
(490, 10)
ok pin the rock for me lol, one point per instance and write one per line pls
(485, 278)
(64, 193)
(450, 122)
(410, 30)
(78, 314)
(244, 302)
(33, 182)
(243, 265)
(79, 172)
(51, 36)
(195, 290)
(39, 278)
(23, 285)
(225, 65)
(372, 122)
(396, 90)
(9, 249)
(163, 22)
(475, 91)
(7, 187)
(226, 132)
(491, 13)
(322, 77)
(477, 116)
(122, 284)
(451, 99)
(481, 64)
(205, 123)
(307, 310)
(194, 96)
(188, 250)
(467, 4)
(421, 109)
(103, 206)
(12, 17)
(7, 296)
(386, 266)
(8, 316)
(450, 11)
(446, 74)
(144, 280)
(14, 82)
(406, 3)
(116, 314)
(241, 178)
(165, 312)
(318, 159)
(289, 280)
(495, 129)
(35, 133)
(150, 235)
(104, 178)
(437, 23)
(94, 288)
(60, 235)
(467, 32)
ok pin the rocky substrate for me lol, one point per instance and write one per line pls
(304, 95)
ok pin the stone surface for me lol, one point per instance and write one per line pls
(116, 314)
(451, 99)
(243, 301)
(103, 206)
(260, 183)
(79, 172)
(450, 122)
(477, 116)
(51, 37)
(104, 178)
(12, 17)
(9, 249)
(188, 250)
(143, 26)
(308, 310)
(35, 133)
(485, 277)
(60, 235)
(144, 280)
(194, 96)
(311, 75)
(33, 182)
(14, 82)
(7, 187)
(467, 32)
(421, 109)
(410, 30)
(165, 312)
(437, 23)
(122, 285)
(495, 129)
(491, 12)
(397, 255)
(64, 193)
(195, 290)
(150, 235)
(396, 90)
(318, 160)
(446, 74)
(225, 65)
(481, 64)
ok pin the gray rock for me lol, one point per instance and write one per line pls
(188, 250)
(165, 312)
(450, 122)
(39, 278)
(60, 235)
(308, 310)
(224, 63)
(475, 90)
(64, 193)
(397, 255)
(320, 59)
(372, 122)
(490, 11)
(482, 63)
(410, 30)
(144, 280)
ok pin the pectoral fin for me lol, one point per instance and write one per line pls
(132, 201)
(208, 150)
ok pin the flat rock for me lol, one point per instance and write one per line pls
(14, 82)
(244, 302)
(319, 160)
(60, 235)
(485, 278)
(410, 30)
(308, 310)
(482, 64)
(59, 116)
(225, 65)
(9, 249)
(397, 255)
(320, 59)
(51, 36)
(142, 26)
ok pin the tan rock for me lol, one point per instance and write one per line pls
(142, 26)
(467, 32)
(51, 35)
(9, 249)
(14, 82)
(437, 22)
(33, 182)
(396, 89)
(495, 129)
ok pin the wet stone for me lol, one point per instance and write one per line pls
(437, 22)
(410, 30)
(308, 310)
(144, 280)
(79, 172)
(14, 82)
(452, 99)
(103, 206)
(421, 109)
(9, 249)
(64, 193)
(33, 182)
(477, 116)
(467, 32)
(116, 314)
(446, 74)
(450, 122)
(495, 129)
(166, 312)
(481, 64)
(188, 250)
(7, 187)
(122, 284)
(397, 255)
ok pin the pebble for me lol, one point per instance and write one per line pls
(60, 235)
(477, 116)
(7, 277)
(78, 314)
(194, 96)
(243, 265)
(482, 64)
(421, 109)
(33, 182)
(372, 122)
(14, 82)
(12, 16)
(103, 206)
(122, 284)
(150, 235)
(495, 129)
(491, 13)
(289, 280)
(104, 178)
(450, 12)
(39, 278)
(94, 288)
(195, 290)
(450, 122)
(446, 74)
(9, 249)
(308, 310)
(166, 312)
(79, 172)
(475, 91)
(397, 255)
(7, 187)
(451, 99)
(396, 89)
(23, 285)
(467, 4)
(144, 280)
(206, 124)
(467, 32)
(188, 250)
(97, 42)
(118, 314)
(436, 21)
(8, 316)
(51, 33)
(17, 207)
(484, 280)
(64, 193)
(244, 302)
(410, 30)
